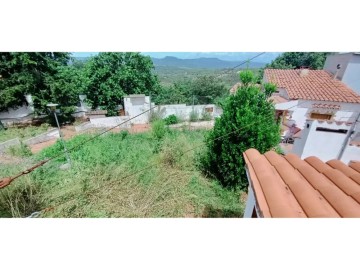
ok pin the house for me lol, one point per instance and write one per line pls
(287, 186)
(314, 98)
(346, 68)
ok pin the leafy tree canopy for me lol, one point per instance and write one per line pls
(113, 75)
(29, 73)
(201, 90)
(291, 60)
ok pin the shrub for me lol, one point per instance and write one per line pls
(171, 119)
(194, 116)
(247, 77)
(269, 89)
(124, 134)
(247, 122)
(158, 129)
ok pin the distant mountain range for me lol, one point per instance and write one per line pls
(203, 60)
(226, 56)
(209, 63)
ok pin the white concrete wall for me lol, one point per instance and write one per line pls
(136, 105)
(352, 152)
(352, 76)
(333, 60)
(182, 111)
(324, 145)
(349, 72)
(110, 122)
(14, 114)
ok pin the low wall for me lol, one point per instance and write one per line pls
(84, 126)
(110, 122)
(7, 144)
(183, 111)
(44, 137)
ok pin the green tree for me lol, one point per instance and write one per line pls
(247, 122)
(269, 88)
(114, 75)
(206, 89)
(65, 87)
(201, 90)
(28, 73)
(177, 93)
(290, 60)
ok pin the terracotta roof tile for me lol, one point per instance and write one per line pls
(291, 187)
(355, 165)
(349, 172)
(316, 85)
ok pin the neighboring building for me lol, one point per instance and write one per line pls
(328, 140)
(286, 186)
(135, 105)
(346, 68)
(315, 95)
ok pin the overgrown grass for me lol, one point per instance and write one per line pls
(120, 175)
(22, 133)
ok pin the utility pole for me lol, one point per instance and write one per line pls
(348, 136)
(53, 109)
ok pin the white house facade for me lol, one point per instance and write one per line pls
(317, 103)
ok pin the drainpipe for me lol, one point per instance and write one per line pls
(347, 137)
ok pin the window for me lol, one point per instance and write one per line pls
(320, 116)
(342, 131)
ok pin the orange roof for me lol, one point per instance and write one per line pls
(286, 186)
(314, 85)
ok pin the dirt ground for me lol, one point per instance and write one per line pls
(67, 131)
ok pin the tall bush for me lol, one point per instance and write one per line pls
(247, 122)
